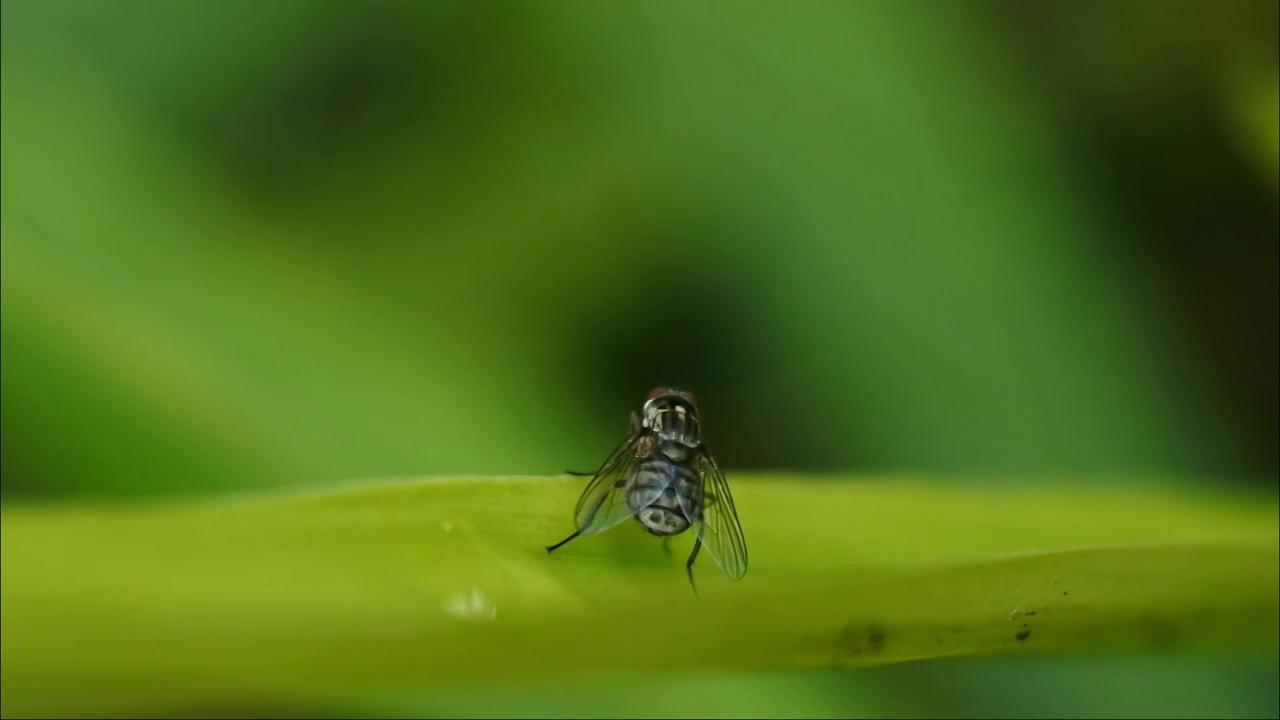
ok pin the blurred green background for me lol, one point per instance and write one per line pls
(258, 245)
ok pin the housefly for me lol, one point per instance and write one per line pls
(663, 476)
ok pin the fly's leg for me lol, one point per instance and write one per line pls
(575, 534)
(688, 565)
(575, 473)
(666, 544)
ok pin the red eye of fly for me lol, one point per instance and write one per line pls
(657, 393)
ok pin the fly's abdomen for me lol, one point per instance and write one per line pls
(666, 496)
(663, 521)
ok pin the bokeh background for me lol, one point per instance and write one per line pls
(252, 245)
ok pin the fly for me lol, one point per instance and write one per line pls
(663, 476)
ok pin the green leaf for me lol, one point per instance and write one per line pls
(405, 586)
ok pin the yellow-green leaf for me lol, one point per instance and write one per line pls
(405, 586)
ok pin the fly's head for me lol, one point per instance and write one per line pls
(673, 416)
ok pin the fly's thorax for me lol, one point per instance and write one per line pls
(674, 420)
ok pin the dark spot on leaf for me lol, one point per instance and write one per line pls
(875, 638)
(1033, 612)
(1023, 634)
(857, 638)
(1024, 624)
(1064, 592)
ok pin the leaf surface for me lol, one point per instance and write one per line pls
(408, 585)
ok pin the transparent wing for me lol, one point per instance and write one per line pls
(603, 503)
(720, 531)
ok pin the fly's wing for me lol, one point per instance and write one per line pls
(720, 532)
(604, 502)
